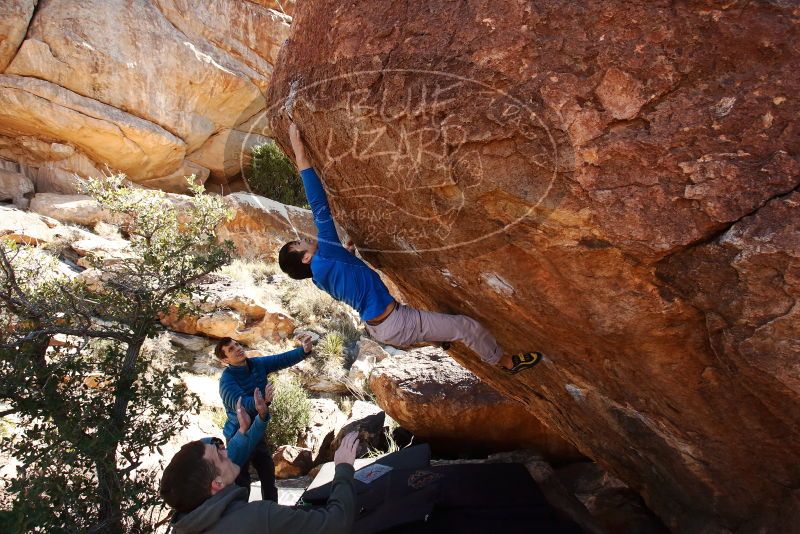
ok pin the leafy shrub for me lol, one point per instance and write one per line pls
(291, 412)
(273, 175)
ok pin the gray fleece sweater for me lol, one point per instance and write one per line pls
(228, 511)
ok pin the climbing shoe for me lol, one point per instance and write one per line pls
(523, 361)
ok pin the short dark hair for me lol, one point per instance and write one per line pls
(218, 352)
(291, 262)
(186, 482)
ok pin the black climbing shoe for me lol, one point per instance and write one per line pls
(523, 361)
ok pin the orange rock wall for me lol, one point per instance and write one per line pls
(612, 183)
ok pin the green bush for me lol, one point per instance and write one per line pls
(273, 175)
(291, 412)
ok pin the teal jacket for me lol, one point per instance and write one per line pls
(241, 381)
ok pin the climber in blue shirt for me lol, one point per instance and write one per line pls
(347, 278)
(241, 377)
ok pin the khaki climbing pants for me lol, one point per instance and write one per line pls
(406, 326)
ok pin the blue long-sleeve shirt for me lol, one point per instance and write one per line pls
(241, 446)
(241, 381)
(335, 270)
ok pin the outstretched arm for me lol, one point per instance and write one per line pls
(340, 510)
(283, 360)
(315, 193)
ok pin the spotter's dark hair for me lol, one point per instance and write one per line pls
(186, 482)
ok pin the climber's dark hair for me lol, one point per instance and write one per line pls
(186, 482)
(291, 261)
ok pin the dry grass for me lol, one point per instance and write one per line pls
(250, 272)
(311, 306)
(305, 302)
(104, 229)
(218, 416)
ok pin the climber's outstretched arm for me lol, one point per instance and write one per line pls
(315, 193)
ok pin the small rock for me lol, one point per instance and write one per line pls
(368, 420)
(79, 209)
(325, 418)
(369, 353)
(291, 461)
(24, 228)
(609, 500)
(188, 342)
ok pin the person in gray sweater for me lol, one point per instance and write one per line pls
(198, 485)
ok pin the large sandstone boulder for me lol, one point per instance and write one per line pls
(38, 109)
(134, 86)
(608, 182)
(226, 154)
(445, 405)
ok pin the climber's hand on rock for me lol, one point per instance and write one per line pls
(346, 453)
(298, 147)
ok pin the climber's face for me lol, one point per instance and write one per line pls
(307, 247)
(226, 470)
(234, 354)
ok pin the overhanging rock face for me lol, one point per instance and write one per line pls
(614, 185)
